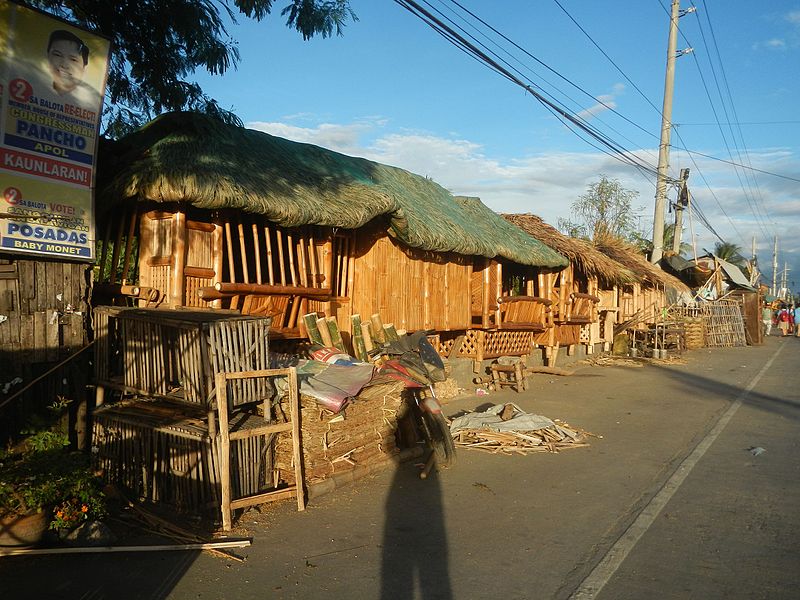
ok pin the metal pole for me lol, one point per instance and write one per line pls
(663, 147)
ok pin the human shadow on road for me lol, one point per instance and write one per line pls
(415, 552)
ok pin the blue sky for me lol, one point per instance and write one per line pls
(392, 90)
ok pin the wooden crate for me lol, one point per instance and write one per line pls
(157, 452)
(174, 354)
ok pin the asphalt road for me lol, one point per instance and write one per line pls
(674, 501)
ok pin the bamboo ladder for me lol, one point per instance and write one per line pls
(229, 504)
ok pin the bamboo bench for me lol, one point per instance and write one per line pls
(527, 313)
(581, 309)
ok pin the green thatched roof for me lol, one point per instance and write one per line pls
(189, 158)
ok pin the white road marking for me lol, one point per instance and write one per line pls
(600, 575)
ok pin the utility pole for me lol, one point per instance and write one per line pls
(683, 201)
(775, 268)
(666, 128)
(784, 282)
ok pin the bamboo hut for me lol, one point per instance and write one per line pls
(201, 214)
(584, 294)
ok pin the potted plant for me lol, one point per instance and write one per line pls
(46, 486)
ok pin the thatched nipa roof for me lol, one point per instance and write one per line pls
(191, 158)
(630, 257)
(586, 258)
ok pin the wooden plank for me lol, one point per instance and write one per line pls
(177, 287)
(297, 448)
(224, 450)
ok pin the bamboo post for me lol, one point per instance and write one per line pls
(336, 337)
(310, 321)
(224, 449)
(297, 447)
(315, 274)
(377, 328)
(176, 294)
(279, 236)
(257, 247)
(229, 243)
(245, 268)
(216, 254)
(270, 269)
(302, 259)
(358, 339)
(290, 248)
(324, 332)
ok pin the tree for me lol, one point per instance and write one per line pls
(730, 252)
(156, 46)
(605, 209)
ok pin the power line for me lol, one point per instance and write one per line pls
(571, 120)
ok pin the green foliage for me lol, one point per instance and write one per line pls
(44, 475)
(730, 252)
(605, 209)
(157, 45)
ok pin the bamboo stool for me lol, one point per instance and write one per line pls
(228, 504)
(509, 375)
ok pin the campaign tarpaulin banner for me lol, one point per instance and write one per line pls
(52, 82)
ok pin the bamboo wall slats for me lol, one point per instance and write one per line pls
(412, 289)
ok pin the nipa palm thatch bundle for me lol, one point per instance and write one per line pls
(191, 158)
(586, 258)
(363, 433)
(626, 254)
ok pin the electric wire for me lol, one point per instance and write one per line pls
(571, 120)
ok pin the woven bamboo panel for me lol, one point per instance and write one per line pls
(695, 333)
(363, 433)
(479, 344)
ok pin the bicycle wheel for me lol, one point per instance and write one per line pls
(437, 433)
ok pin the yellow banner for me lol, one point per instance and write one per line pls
(52, 83)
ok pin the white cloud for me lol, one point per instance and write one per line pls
(547, 184)
(793, 17)
(605, 102)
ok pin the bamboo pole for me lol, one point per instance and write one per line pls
(279, 236)
(359, 347)
(257, 246)
(378, 332)
(277, 290)
(270, 268)
(302, 259)
(315, 279)
(336, 337)
(324, 332)
(290, 249)
(245, 268)
(310, 321)
(367, 335)
(229, 243)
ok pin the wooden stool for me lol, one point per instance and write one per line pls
(508, 375)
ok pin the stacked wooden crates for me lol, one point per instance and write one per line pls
(160, 440)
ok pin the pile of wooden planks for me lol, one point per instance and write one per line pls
(550, 439)
(362, 433)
